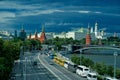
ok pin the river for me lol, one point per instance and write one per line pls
(102, 58)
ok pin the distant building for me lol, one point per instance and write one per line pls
(5, 35)
(49, 35)
(61, 35)
(22, 34)
(15, 34)
(29, 37)
(75, 35)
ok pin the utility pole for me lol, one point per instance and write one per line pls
(115, 55)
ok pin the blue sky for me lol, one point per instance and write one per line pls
(59, 15)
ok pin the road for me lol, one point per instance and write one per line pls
(60, 72)
(28, 71)
(46, 69)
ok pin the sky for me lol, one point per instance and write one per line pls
(59, 15)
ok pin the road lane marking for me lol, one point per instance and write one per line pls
(49, 69)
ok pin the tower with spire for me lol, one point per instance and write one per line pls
(36, 35)
(22, 34)
(29, 36)
(88, 37)
(42, 36)
(96, 29)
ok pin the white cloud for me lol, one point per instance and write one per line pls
(15, 5)
(84, 12)
(50, 23)
(62, 24)
(87, 12)
(111, 14)
(5, 16)
(38, 12)
(97, 12)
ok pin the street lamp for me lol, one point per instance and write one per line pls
(115, 55)
(80, 57)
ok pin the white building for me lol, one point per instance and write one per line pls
(61, 35)
(5, 33)
(75, 35)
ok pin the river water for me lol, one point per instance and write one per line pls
(106, 58)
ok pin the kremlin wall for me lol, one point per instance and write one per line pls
(89, 33)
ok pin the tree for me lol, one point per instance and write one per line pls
(1, 45)
(100, 68)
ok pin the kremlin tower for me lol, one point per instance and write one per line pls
(88, 37)
(29, 36)
(22, 34)
(42, 36)
(36, 36)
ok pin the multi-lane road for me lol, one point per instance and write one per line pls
(45, 69)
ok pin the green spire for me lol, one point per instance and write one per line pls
(88, 31)
(22, 28)
(35, 31)
(42, 28)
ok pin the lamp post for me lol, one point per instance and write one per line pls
(80, 57)
(115, 55)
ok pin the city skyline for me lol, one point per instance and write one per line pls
(60, 15)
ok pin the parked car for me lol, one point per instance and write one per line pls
(66, 64)
(35, 63)
(92, 76)
(82, 70)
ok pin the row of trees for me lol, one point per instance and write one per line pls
(9, 51)
(101, 68)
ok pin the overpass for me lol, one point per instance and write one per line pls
(97, 47)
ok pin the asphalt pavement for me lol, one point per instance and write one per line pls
(45, 69)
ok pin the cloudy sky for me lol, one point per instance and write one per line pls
(59, 15)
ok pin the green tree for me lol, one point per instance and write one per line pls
(100, 68)
(109, 71)
(118, 73)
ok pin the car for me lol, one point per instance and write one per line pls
(82, 70)
(92, 76)
(66, 64)
(35, 63)
(72, 67)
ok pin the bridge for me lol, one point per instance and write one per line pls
(98, 47)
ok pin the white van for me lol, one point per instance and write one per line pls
(92, 76)
(82, 70)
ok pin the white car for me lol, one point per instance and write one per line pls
(92, 76)
(66, 64)
(82, 70)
